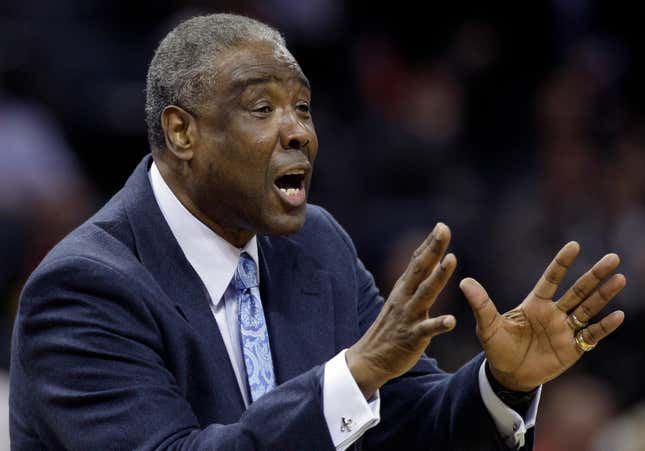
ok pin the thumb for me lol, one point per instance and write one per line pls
(483, 307)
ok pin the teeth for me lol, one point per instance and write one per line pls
(290, 191)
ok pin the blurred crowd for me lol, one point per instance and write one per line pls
(521, 127)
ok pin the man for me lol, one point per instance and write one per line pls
(206, 306)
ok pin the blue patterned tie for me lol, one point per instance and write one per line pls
(253, 329)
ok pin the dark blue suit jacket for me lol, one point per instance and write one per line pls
(115, 346)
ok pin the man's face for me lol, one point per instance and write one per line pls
(252, 164)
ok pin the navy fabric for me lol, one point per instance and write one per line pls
(115, 346)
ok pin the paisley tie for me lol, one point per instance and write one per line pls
(254, 336)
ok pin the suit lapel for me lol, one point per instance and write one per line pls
(161, 254)
(297, 301)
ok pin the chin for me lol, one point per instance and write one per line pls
(286, 224)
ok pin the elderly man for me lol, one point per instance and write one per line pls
(207, 306)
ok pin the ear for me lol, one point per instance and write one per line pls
(180, 131)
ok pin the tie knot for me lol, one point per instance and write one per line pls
(246, 275)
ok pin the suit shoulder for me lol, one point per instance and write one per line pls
(321, 230)
(319, 219)
(105, 240)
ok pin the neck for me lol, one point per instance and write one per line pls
(238, 237)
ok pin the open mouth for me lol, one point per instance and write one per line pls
(291, 182)
(291, 187)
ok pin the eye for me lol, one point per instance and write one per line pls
(303, 107)
(263, 109)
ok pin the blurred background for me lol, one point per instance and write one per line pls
(521, 127)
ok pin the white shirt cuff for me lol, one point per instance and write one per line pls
(347, 413)
(509, 423)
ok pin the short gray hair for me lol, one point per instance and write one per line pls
(181, 67)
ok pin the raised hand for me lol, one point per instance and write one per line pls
(536, 341)
(403, 330)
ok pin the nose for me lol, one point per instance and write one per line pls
(294, 134)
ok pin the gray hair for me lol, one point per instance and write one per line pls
(181, 68)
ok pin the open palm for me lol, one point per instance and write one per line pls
(535, 342)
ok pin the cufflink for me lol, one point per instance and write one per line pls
(346, 425)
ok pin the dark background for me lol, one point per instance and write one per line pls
(522, 127)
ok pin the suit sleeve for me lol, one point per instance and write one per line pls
(426, 408)
(90, 358)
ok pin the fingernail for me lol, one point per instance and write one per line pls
(446, 259)
(448, 323)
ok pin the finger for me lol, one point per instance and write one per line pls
(425, 242)
(555, 272)
(483, 308)
(597, 331)
(435, 326)
(426, 258)
(597, 301)
(430, 288)
(588, 282)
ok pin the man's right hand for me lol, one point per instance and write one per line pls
(403, 329)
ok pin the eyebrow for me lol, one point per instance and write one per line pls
(244, 83)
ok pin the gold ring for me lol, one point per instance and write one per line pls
(582, 344)
(575, 323)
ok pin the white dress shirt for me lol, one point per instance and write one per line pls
(215, 261)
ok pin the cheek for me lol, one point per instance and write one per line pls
(313, 138)
(247, 167)
(252, 151)
(255, 137)
(313, 147)
(240, 157)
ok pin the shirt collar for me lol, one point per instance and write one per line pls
(213, 258)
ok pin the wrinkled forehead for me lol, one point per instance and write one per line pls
(255, 62)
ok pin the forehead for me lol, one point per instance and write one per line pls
(257, 62)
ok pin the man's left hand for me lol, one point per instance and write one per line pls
(536, 341)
